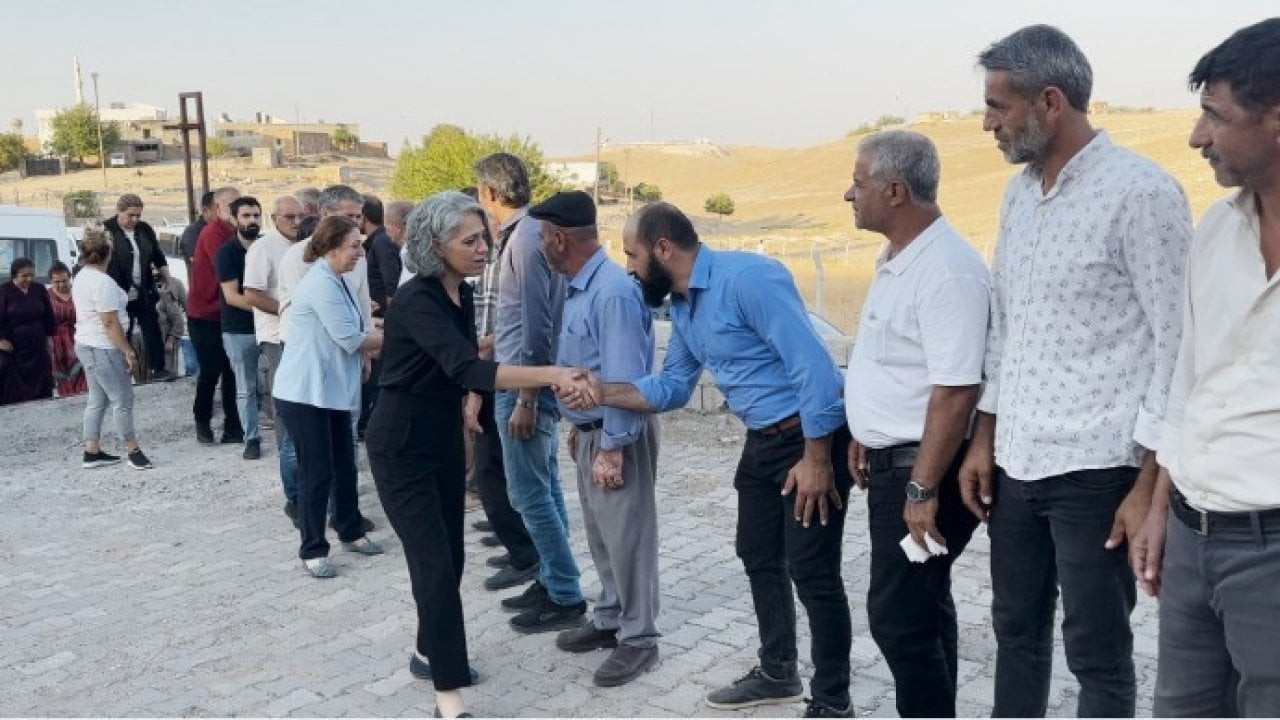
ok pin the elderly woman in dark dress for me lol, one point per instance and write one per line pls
(26, 336)
(416, 440)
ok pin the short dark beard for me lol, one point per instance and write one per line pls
(657, 286)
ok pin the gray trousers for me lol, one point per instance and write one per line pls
(1219, 651)
(109, 384)
(269, 355)
(622, 532)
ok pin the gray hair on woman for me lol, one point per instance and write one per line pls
(430, 226)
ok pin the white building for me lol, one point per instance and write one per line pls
(115, 112)
(577, 175)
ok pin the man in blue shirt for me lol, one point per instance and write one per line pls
(739, 316)
(607, 329)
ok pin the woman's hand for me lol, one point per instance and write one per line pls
(578, 389)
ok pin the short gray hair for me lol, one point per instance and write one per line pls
(430, 226)
(1041, 56)
(309, 197)
(906, 157)
(335, 195)
(506, 175)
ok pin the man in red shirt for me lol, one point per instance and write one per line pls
(204, 315)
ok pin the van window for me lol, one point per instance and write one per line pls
(41, 251)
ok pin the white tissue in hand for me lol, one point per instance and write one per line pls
(917, 554)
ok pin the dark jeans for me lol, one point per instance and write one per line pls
(912, 615)
(368, 396)
(491, 483)
(206, 336)
(326, 463)
(419, 466)
(143, 313)
(1049, 533)
(777, 551)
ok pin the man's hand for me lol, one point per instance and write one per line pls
(1132, 512)
(921, 519)
(607, 469)
(579, 390)
(471, 413)
(1146, 552)
(814, 484)
(130, 362)
(523, 421)
(858, 464)
(573, 442)
(6, 346)
(170, 343)
(976, 475)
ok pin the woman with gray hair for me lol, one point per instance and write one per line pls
(416, 443)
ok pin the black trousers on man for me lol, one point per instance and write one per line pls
(142, 311)
(777, 551)
(206, 337)
(909, 605)
(491, 483)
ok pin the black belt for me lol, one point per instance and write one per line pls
(1204, 522)
(781, 426)
(892, 458)
(589, 427)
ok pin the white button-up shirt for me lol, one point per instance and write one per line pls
(1221, 440)
(261, 273)
(924, 324)
(1086, 313)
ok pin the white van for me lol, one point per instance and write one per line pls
(37, 234)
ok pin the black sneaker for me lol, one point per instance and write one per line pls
(99, 459)
(586, 638)
(815, 709)
(551, 616)
(483, 526)
(232, 438)
(421, 669)
(138, 461)
(252, 450)
(162, 375)
(365, 524)
(204, 432)
(499, 561)
(509, 577)
(756, 688)
(491, 541)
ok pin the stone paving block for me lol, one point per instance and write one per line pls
(295, 700)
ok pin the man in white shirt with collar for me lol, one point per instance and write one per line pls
(913, 380)
(1086, 319)
(1216, 511)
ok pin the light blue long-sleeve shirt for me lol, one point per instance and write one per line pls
(530, 297)
(321, 361)
(745, 322)
(607, 329)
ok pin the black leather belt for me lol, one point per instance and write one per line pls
(588, 427)
(781, 426)
(1207, 523)
(892, 458)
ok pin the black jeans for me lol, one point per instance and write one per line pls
(1049, 533)
(368, 396)
(491, 483)
(326, 463)
(777, 551)
(143, 313)
(909, 605)
(419, 466)
(206, 337)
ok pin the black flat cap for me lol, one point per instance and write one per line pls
(573, 209)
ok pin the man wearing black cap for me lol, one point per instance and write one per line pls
(607, 329)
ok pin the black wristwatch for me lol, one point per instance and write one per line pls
(918, 493)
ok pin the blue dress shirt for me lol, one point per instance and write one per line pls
(745, 322)
(607, 329)
(321, 362)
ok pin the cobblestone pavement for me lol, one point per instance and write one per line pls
(177, 591)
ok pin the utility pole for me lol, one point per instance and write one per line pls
(595, 189)
(97, 109)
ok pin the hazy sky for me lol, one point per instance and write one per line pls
(777, 72)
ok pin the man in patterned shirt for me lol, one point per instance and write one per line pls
(1085, 324)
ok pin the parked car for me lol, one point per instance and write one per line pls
(37, 234)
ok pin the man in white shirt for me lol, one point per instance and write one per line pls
(1216, 511)
(1086, 318)
(261, 285)
(913, 380)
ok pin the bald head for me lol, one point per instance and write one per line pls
(286, 213)
(396, 213)
(223, 197)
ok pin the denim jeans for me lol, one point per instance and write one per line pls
(533, 483)
(109, 384)
(1049, 533)
(190, 366)
(242, 352)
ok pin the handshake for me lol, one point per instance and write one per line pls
(579, 389)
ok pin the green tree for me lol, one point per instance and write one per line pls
(13, 150)
(446, 159)
(75, 133)
(217, 148)
(720, 204)
(344, 139)
(646, 193)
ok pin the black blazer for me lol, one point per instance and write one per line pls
(120, 267)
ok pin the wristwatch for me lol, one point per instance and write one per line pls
(918, 493)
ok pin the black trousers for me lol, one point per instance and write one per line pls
(368, 396)
(1047, 534)
(143, 313)
(206, 337)
(491, 483)
(326, 463)
(778, 551)
(419, 466)
(909, 605)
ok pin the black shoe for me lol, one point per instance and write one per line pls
(162, 375)
(551, 616)
(499, 561)
(232, 438)
(756, 688)
(534, 596)
(138, 461)
(586, 638)
(510, 577)
(626, 663)
(99, 459)
(365, 524)
(490, 541)
(482, 526)
(815, 709)
(252, 450)
(421, 670)
(204, 433)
